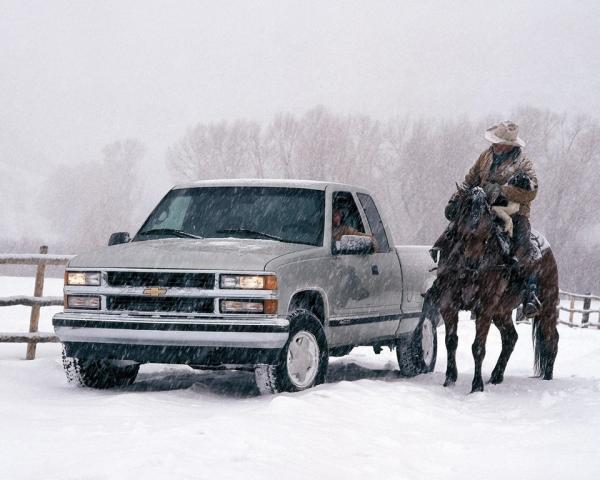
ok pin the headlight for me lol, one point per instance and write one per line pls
(82, 278)
(250, 282)
(80, 301)
(268, 307)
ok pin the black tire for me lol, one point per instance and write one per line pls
(100, 374)
(305, 330)
(417, 352)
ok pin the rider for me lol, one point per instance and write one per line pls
(492, 171)
(339, 228)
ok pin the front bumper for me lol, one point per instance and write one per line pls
(200, 341)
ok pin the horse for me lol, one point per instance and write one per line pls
(475, 273)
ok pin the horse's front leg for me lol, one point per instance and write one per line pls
(450, 317)
(482, 323)
(509, 337)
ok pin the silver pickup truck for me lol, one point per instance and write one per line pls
(272, 276)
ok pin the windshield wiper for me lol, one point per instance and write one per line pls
(252, 232)
(263, 234)
(169, 231)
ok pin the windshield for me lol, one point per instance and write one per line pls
(293, 215)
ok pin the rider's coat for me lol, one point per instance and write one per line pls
(481, 174)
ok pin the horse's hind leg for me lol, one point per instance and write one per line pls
(450, 317)
(509, 336)
(483, 323)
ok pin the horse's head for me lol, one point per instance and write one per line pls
(474, 222)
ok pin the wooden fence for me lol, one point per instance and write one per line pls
(33, 337)
(582, 320)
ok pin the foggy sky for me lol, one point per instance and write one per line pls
(75, 76)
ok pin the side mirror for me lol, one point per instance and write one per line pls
(118, 238)
(355, 245)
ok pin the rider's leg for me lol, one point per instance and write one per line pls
(443, 243)
(522, 254)
(521, 238)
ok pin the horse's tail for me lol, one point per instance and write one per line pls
(544, 331)
(542, 356)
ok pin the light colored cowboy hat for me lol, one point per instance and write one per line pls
(505, 133)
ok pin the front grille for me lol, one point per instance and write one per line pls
(162, 279)
(162, 304)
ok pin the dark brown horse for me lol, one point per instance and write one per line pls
(475, 274)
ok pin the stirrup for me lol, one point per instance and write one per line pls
(532, 306)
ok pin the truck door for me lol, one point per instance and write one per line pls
(385, 260)
(355, 285)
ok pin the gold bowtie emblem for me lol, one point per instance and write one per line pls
(155, 291)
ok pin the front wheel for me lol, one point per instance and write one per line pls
(303, 360)
(417, 352)
(99, 373)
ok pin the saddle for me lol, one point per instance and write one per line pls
(536, 247)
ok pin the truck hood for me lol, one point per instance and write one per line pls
(176, 253)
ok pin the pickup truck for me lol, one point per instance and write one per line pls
(272, 276)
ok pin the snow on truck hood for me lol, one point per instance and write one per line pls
(177, 253)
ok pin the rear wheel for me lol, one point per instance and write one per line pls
(99, 373)
(417, 352)
(303, 360)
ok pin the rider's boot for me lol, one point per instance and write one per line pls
(531, 302)
(443, 243)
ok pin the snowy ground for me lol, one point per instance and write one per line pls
(366, 422)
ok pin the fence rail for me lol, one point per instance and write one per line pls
(34, 258)
(29, 301)
(580, 295)
(41, 260)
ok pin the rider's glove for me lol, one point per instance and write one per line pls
(451, 210)
(492, 191)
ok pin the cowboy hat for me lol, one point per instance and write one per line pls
(505, 133)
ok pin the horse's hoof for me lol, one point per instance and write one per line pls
(477, 387)
(449, 383)
(496, 379)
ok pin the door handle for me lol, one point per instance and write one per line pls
(374, 269)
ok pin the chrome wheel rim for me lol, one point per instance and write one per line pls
(303, 359)
(427, 341)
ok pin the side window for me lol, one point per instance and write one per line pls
(375, 222)
(345, 216)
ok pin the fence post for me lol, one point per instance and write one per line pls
(34, 318)
(571, 312)
(587, 304)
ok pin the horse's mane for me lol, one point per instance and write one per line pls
(481, 206)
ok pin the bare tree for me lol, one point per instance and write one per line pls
(281, 143)
(411, 164)
(84, 203)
